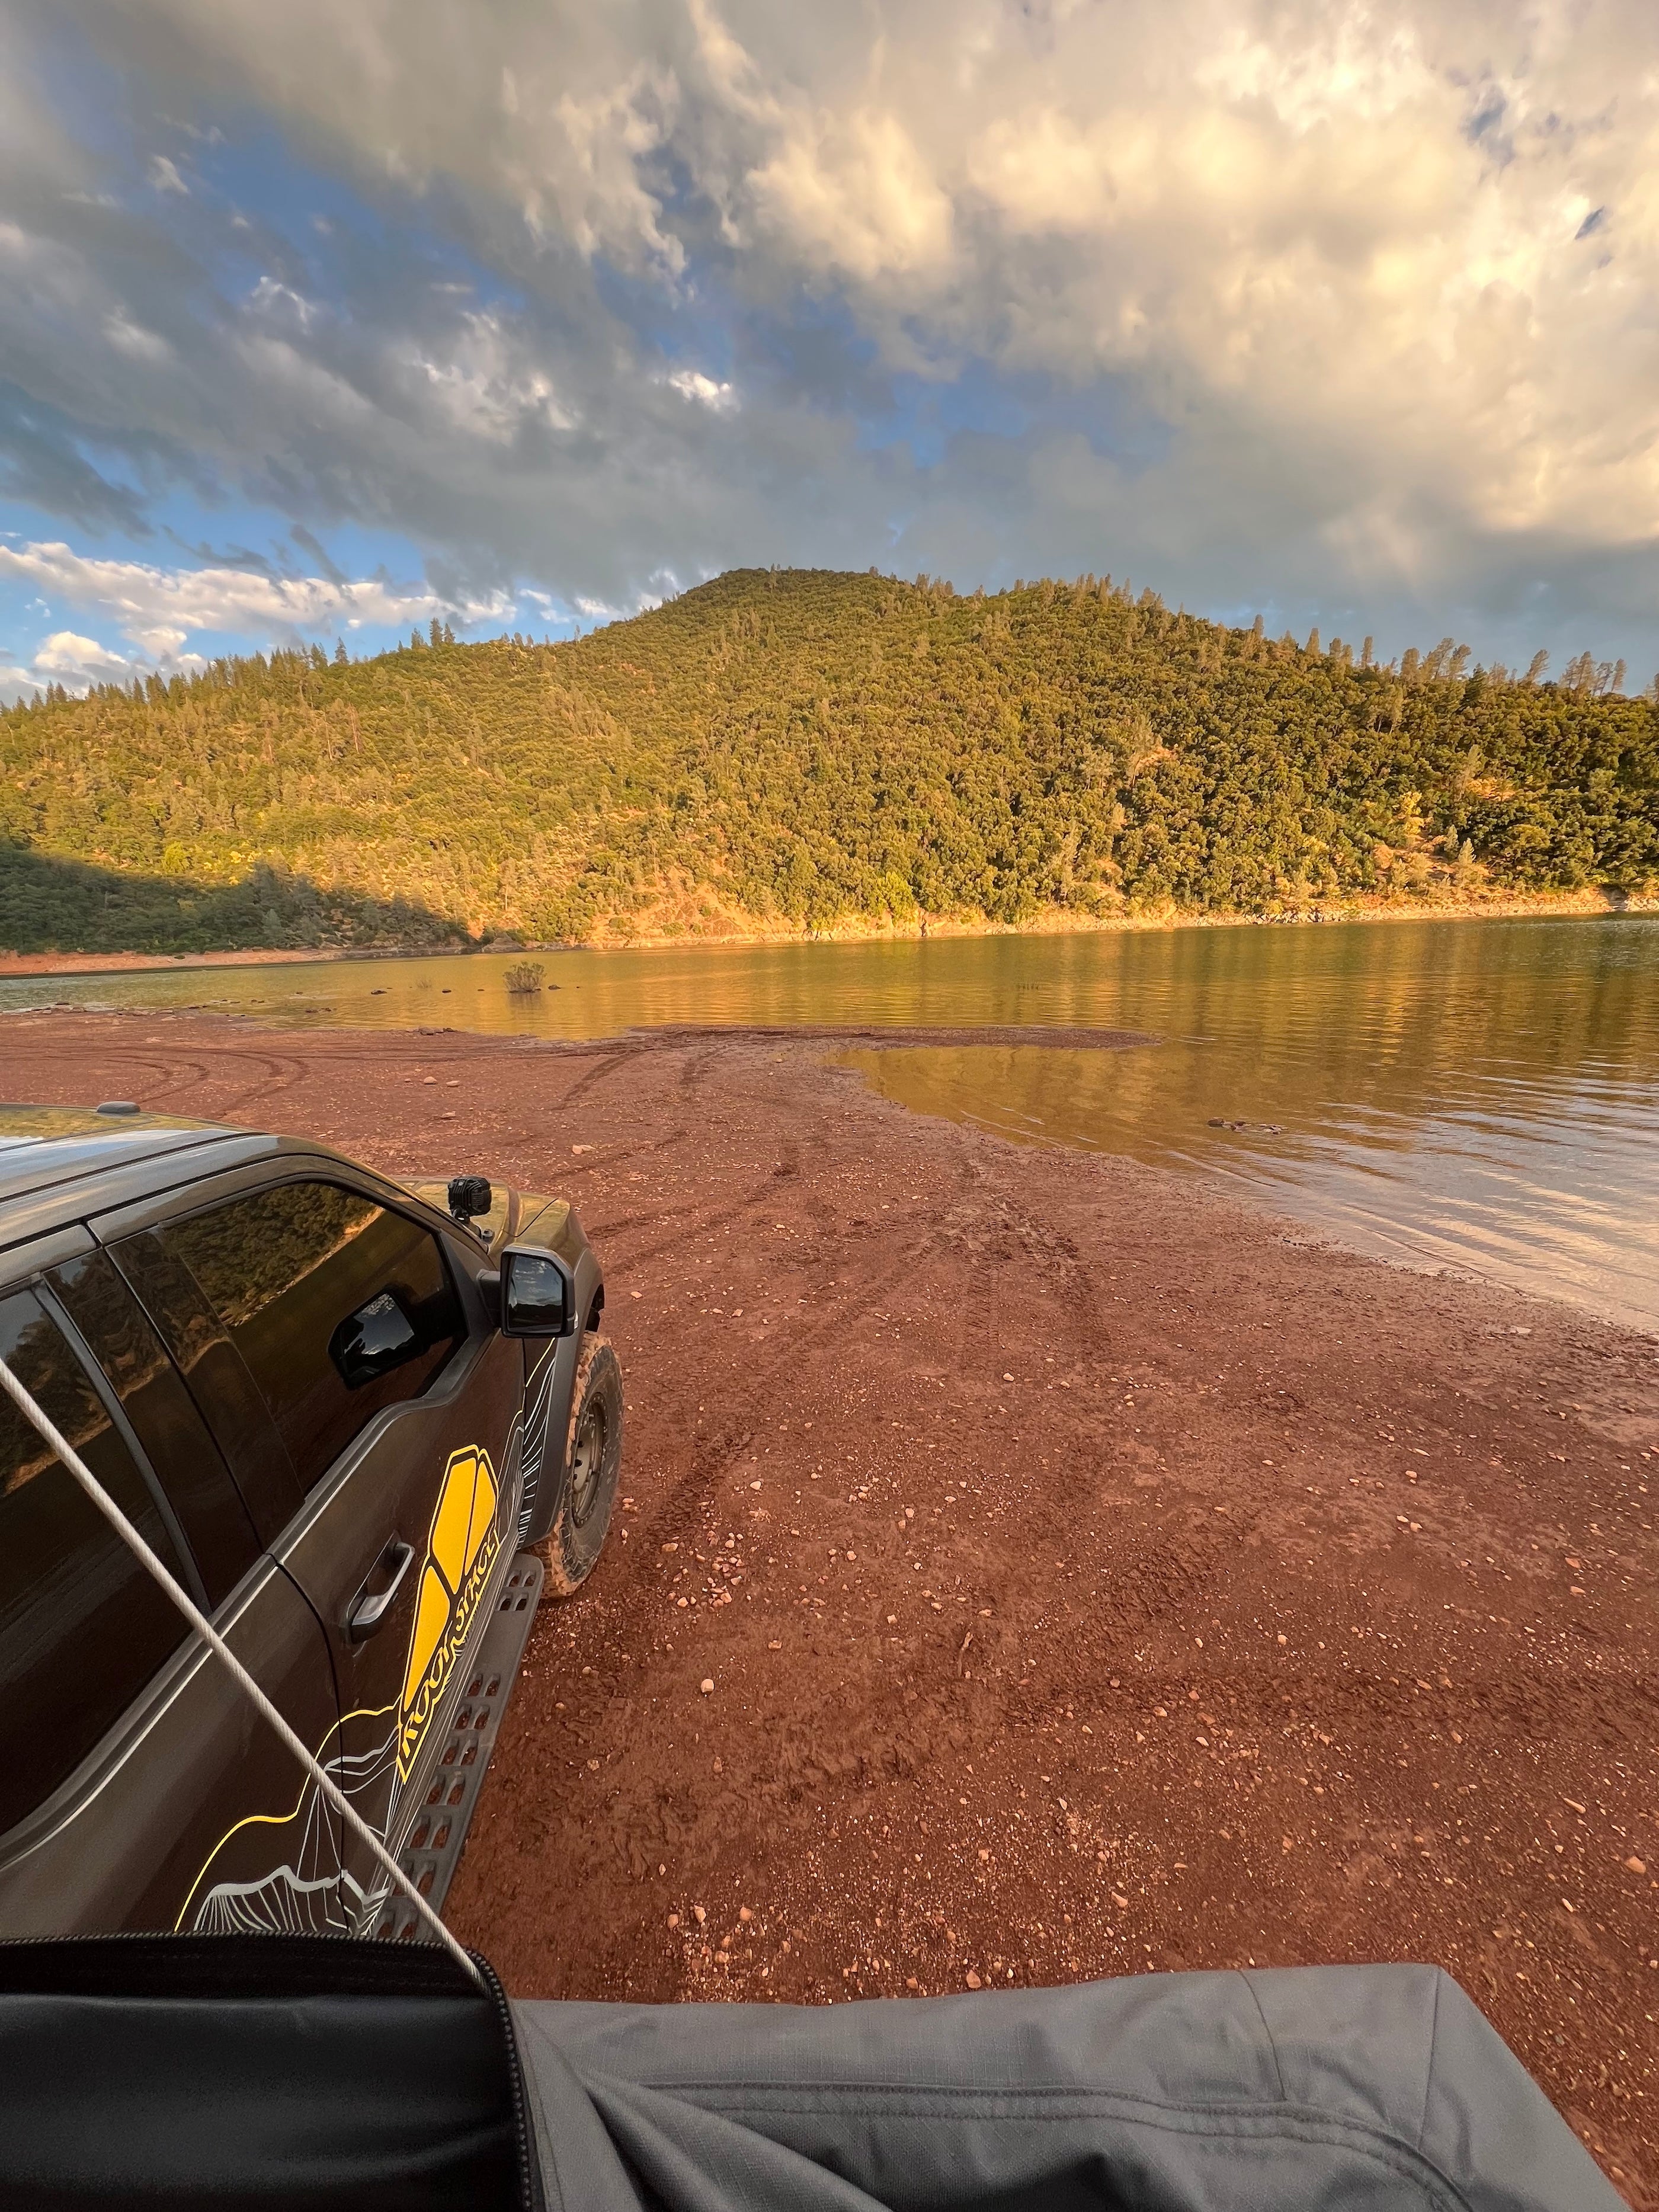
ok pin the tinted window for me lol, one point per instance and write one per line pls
(83, 1627)
(168, 1428)
(338, 1306)
(217, 1378)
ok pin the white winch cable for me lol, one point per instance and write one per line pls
(40, 1419)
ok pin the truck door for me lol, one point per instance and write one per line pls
(398, 1406)
(129, 1762)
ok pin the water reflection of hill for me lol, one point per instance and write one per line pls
(1478, 1092)
(1481, 1098)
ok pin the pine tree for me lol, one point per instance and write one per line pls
(1535, 668)
(437, 633)
(340, 652)
(621, 772)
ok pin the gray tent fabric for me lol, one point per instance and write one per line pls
(1310, 2089)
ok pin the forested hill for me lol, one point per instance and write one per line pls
(798, 750)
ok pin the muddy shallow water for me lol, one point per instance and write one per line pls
(1478, 1094)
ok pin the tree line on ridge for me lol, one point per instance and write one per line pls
(798, 750)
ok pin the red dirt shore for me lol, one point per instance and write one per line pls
(116, 964)
(1092, 1576)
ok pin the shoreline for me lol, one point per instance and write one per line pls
(1052, 923)
(1095, 1575)
(24, 964)
(1063, 921)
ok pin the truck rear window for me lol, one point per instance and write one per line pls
(83, 1627)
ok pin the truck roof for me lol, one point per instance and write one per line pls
(60, 1164)
(44, 1146)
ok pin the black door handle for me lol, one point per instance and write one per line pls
(368, 1613)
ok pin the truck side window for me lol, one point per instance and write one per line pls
(83, 1627)
(217, 1379)
(169, 1429)
(338, 1306)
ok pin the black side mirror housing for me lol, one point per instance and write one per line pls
(533, 1293)
(374, 1340)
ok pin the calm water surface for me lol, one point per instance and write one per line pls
(1480, 1094)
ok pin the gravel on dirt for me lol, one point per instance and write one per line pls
(1093, 1576)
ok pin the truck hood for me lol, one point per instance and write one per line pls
(512, 1214)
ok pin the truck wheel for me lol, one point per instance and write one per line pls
(571, 1547)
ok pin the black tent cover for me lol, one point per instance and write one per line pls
(267, 2072)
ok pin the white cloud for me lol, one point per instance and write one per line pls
(160, 608)
(165, 176)
(133, 340)
(854, 194)
(692, 384)
(68, 659)
(277, 303)
(76, 662)
(486, 389)
(64, 654)
(596, 185)
(1373, 282)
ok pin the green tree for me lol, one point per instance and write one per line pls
(798, 750)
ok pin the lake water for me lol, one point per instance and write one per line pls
(1477, 1095)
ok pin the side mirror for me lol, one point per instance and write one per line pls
(537, 1293)
(372, 1341)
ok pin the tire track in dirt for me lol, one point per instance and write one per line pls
(276, 1075)
(1175, 1681)
(593, 1076)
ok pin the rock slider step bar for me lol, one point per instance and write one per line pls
(433, 1850)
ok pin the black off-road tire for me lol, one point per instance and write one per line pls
(593, 1458)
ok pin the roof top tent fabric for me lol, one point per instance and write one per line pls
(266, 2073)
(1370, 2089)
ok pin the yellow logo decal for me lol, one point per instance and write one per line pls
(461, 1550)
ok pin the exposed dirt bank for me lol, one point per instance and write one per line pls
(124, 964)
(1092, 1577)
(1444, 902)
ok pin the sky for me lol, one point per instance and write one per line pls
(319, 320)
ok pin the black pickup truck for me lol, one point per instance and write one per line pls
(364, 1423)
